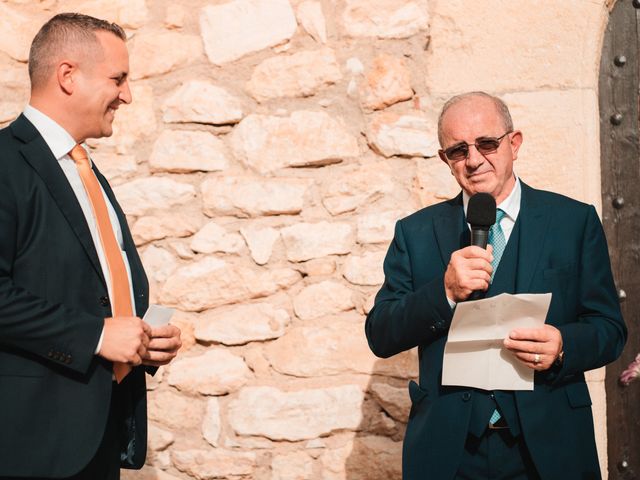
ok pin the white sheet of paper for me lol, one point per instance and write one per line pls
(158, 316)
(474, 355)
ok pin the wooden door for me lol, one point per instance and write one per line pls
(620, 168)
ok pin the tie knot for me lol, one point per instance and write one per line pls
(499, 215)
(79, 155)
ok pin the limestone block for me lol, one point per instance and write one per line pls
(17, 31)
(147, 473)
(370, 458)
(214, 463)
(183, 151)
(310, 16)
(304, 241)
(244, 196)
(212, 422)
(174, 411)
(260, 242)
(352, 186)
(292, 466)
(114, 167)
(299, 75)
(318, 266)
(549, 118)
(242, 324)
(559, 55)
(185, 322)
(175, 16)
(139, 196)
(385, 18)
(319, 351)
(406, 135)
(156, 227)
(202, 102)
(158, 263)
(210, 283)
(158, 52)
(216, 372)
(9, 111)
(434, 181)
(236, 28)
(126, 13)
(159, 438)
(267, 143)
(214, 238)
(293, 416)
(388, 82)
(365, 269)
(395, 401)
(324, 298)
(377, 227)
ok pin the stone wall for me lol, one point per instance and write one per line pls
(270, 148)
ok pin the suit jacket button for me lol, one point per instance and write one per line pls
(104, 301)
(432, 328)
(466, 396)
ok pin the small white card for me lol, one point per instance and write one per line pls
(158, 316)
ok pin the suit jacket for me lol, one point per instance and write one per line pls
(561, 249)
(54, 391)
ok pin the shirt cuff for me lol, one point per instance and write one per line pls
(100, 342)
(452, 304)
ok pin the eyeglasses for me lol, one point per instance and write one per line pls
(484, 145)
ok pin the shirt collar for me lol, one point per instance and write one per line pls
(510, 205)
(59, 141)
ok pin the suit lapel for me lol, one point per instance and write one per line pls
(534, 222)
(449, 228)
(37, 154)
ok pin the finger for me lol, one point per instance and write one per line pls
(135, 360)
(531, 334)
(474, 251)
(165, 331)
(158, 356)
(166, 344)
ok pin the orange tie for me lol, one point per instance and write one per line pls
(120, 290)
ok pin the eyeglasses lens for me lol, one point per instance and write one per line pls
(484, 145)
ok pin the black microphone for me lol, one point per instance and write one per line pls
(481, 215)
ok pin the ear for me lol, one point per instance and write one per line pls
(516, 141)
(65, 72)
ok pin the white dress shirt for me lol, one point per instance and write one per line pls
(60, 142)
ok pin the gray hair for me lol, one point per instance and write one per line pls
(501, 108)
(61, 33)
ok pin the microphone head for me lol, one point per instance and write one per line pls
(481, 211)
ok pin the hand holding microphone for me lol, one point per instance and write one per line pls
(468, 274)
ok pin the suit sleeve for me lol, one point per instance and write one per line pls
(29, 323)
(598, 335)
(403, 318)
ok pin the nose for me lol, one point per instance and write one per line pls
(125, 93)
(475, 158)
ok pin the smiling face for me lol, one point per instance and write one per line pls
(101, 85)
(465, 121)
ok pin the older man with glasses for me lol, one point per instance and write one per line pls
(542, 242)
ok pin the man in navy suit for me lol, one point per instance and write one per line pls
(553, 244)
(62, 415)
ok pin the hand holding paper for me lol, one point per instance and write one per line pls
(164, 340)
(475, 356)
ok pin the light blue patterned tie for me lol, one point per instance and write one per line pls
(496, 238)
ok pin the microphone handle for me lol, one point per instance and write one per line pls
(479, 238)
